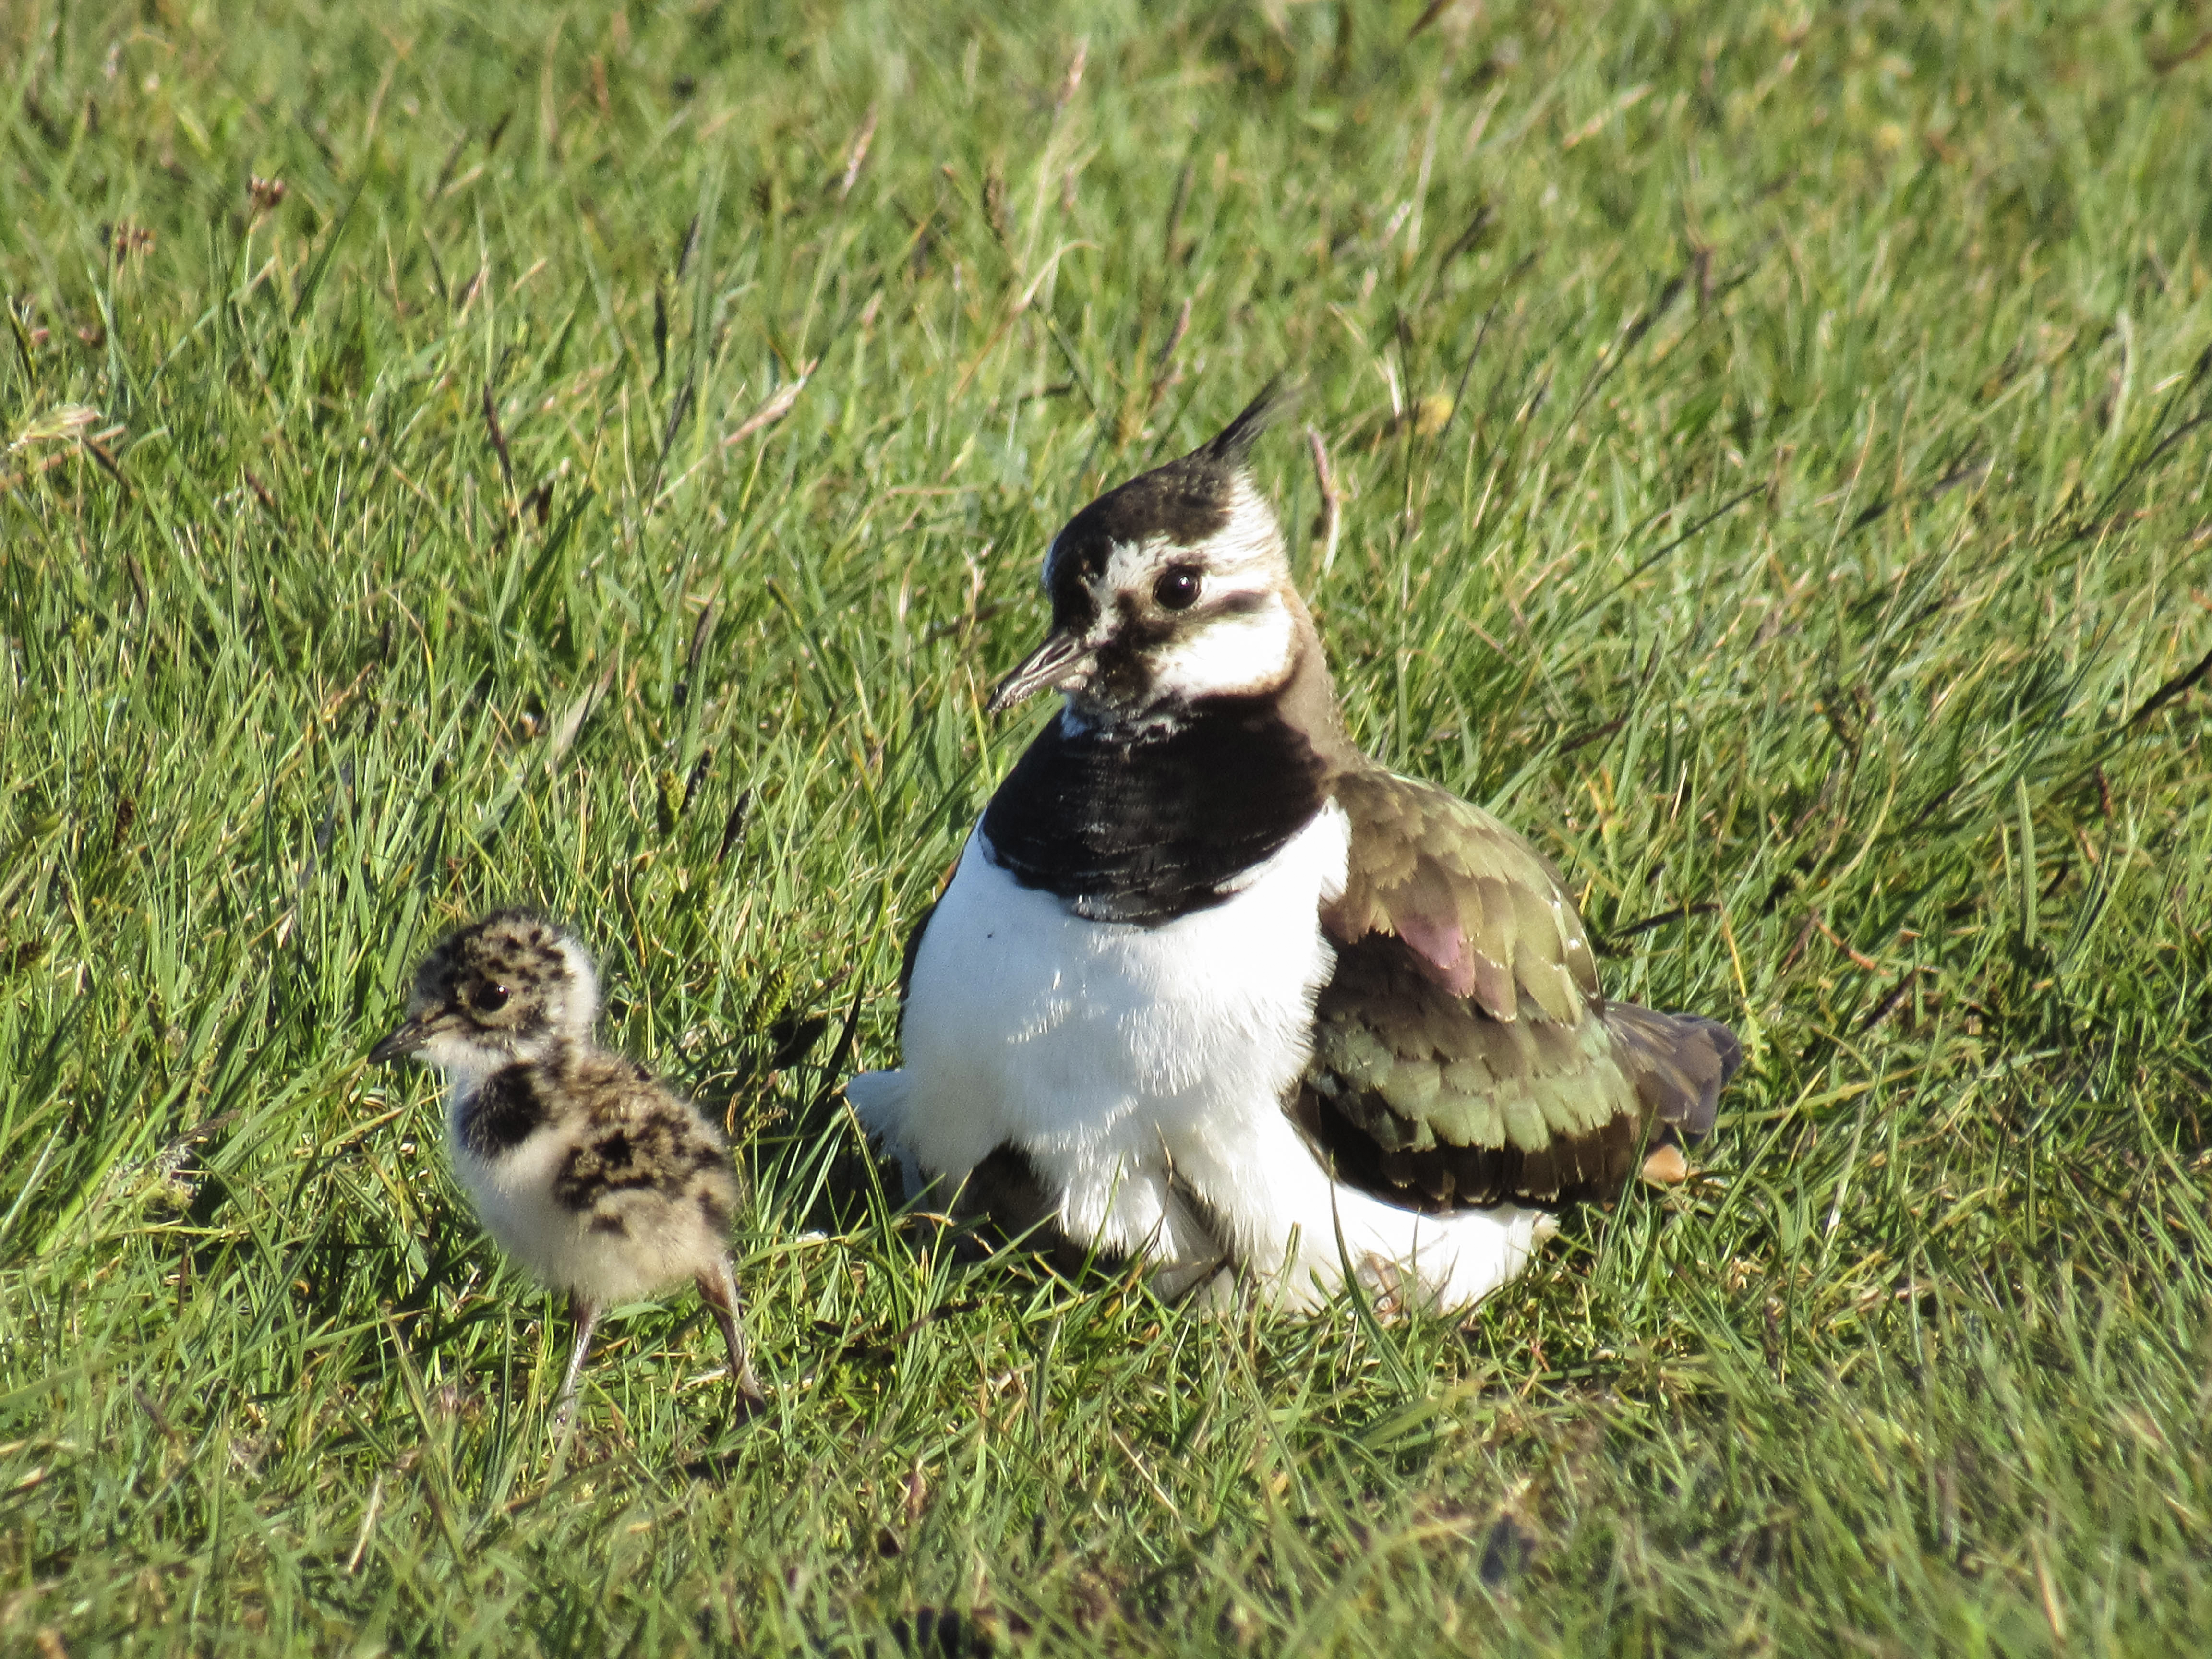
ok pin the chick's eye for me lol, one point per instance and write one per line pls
(490, 999)
(1176, 590)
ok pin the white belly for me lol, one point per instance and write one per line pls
(1128, 1061)
(514, 1198)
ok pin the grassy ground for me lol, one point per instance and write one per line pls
(1775, 449)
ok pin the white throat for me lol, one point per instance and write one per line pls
(463, 1064)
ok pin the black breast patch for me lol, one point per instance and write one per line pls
(501, 1113)
(1144, 826)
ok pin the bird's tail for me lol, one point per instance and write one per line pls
(880, 1098)
(1678, 1063)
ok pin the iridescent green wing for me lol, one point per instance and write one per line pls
(1464, 1055)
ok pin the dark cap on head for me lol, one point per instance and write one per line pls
(1186, 501)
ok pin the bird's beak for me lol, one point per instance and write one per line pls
(1063, 659)
(406, 1041)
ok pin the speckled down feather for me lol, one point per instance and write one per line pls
(640, 1187)
(596, 1178)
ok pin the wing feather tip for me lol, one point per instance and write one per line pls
(1679, 1063)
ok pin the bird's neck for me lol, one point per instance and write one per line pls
(467, 1067)
(464, 1066)
(1307, 698)
(1146, 820)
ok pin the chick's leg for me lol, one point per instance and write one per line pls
(586, 1316)
(719, 1289)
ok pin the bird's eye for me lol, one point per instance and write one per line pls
(1176, 589)
(490, 999)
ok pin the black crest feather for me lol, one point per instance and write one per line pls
(1229, 446)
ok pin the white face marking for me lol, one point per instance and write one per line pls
(1245, 555)
(1240, 634)
(1251, 543)
(1247, 651)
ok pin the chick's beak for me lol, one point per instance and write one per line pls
(1062, 660)
(400, 1044)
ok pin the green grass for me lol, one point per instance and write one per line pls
(1815, 560)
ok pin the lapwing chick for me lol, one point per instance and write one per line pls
(1213, 988)
(587, 1170)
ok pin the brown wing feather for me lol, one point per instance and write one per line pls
(1464, 1055)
